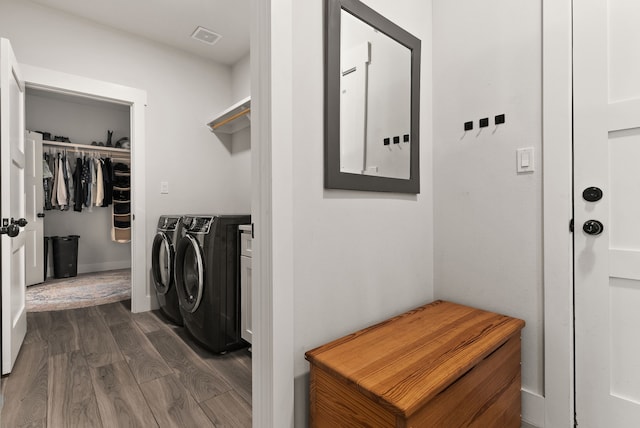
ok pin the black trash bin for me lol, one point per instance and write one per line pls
(65, 256)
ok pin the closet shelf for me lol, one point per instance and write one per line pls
(85, 147)
(233, 119)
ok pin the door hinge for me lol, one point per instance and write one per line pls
(571, 226)
(253, 229)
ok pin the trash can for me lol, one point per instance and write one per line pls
(65, 256)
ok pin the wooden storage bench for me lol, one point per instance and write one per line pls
(440, 365)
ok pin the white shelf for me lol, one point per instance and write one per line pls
(84, 147)
(233, 119)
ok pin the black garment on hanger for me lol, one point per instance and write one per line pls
(86, 181)
(78, 195)
(47, 184)
(107, 178)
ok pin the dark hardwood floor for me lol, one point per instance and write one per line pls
(103, 366)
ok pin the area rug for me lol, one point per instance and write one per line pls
(84, 290)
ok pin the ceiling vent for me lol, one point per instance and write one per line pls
(206, 36)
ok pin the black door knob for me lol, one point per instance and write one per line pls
(592, 194)
(22, 222)
(593, 227)
(40, 215)
(13, 230)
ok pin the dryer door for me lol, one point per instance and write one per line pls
(162, 262)
(189, 273)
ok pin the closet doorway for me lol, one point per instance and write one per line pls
(82, 230)
(86, 220)
(122, 107)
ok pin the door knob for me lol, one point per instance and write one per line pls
(40, 215)
(21, 222)
(13, 230)
(592, 194)
(592, 227)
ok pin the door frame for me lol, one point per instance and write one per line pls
(557, 137)
(55, 81)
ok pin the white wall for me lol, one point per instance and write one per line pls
(184, 92)
(241, 79)
(488, 218)
(356, 257)
(83, 121)
(241, 140)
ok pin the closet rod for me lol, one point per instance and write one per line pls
(85, 147)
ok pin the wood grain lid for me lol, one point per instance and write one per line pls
(405, 361)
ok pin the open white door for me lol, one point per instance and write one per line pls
(34, 230)
(607, 234)
(12, 206)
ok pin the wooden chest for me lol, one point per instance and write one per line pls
(440, 365)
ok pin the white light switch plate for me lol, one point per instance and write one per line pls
(164, 187)
(525, 159)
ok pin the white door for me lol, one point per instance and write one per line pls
(607, 265)
(34, 230)
(12, 205)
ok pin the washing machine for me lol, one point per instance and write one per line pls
(163, 264)
(208, 279)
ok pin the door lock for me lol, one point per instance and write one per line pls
(21, 222)
(592, 227)
(12, 228)
(592, 194)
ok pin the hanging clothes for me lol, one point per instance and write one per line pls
(77, 186)
(99, 183)
(63, 198)
(94, 184)
(47, 180)
(86, 181)
(107, 175)
(68, 181)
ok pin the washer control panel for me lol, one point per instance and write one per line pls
(198, 224)
(168, 224)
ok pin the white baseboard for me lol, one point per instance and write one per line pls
(96, 267)
(101, 267)
(532, 409)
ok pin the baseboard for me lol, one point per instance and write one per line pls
(96, 267)
(101, 267)
(532, 410)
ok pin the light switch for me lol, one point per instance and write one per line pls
(525, 159)
(164, 187)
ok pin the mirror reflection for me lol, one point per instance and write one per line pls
(375, 101)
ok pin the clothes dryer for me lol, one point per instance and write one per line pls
(208, 279)
(163, 265)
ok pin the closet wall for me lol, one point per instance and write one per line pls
(83, 121)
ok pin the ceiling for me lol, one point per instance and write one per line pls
(172, 22)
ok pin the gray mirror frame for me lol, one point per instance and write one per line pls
(333, 177)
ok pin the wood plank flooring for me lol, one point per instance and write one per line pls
(103, 366)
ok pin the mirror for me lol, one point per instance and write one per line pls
(372, 101)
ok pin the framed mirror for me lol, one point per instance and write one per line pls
(372, 101)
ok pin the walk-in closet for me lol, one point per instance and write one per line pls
(85, 214)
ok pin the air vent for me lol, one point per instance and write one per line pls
(206, 36)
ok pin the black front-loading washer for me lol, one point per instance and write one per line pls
(208, 279)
